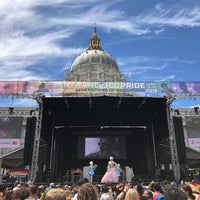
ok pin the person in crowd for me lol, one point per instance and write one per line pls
(41, 189)
(33, 193)
(18, 181)
(88, 191)
(131, 194)
(67, 189)
(165, 185)
(18, 186)
(147, 195)
(174, 194)
(107, 192)
(74, 189)
(22, 193)
(195, 190)
(188, 192)
(51, 185)
(55, 194)
(157, 193)
(111, 173)
(79, 184)
(140, 190)
(3, 195)
(68, 195)
(30, 182)
(9, 194)
(123, 193)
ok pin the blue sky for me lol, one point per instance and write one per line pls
(150, 39)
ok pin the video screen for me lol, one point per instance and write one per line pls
(10, 131)
(101, 147)
(193, 131)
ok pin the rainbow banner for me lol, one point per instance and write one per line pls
(18, 172)
(63, 87)
(15, 174)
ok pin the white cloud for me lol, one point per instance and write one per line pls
(146, 68)
(176, 16)
(31, 31)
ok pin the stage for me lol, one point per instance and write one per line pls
(138, 125)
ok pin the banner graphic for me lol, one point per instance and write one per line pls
(63, 87)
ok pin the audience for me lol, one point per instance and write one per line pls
(85, 190)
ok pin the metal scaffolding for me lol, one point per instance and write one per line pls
(172, 142)
(36, 144)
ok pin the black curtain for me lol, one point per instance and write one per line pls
(29, 140)
(178, 127)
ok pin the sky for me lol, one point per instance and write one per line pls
(151, 40)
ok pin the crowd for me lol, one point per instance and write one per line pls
(83, 189)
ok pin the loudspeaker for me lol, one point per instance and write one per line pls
(29, 140)
(179, 133)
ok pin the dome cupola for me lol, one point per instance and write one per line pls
(94, 64)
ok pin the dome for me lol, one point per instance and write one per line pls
(94, 57)
(94, 64)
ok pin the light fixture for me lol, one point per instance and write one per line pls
(11, 110)
(177, 112)
(196, 110)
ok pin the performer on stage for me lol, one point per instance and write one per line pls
(91, 170)
(118, 169)
(111, 173)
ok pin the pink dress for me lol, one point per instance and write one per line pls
(111, 174)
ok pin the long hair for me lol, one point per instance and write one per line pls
(131, 195)
(88, 191)
(188, 191)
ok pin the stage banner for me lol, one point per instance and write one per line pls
(63, 87)
(100, 87)
(8, 87)
(32, 87)
(193, 130)
(165, 88)
(14, 174)
(10, 131)
(185, 88)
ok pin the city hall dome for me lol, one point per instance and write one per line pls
(94, 64)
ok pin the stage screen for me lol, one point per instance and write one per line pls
(193, 130)
(10, 131)
(101, 147)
